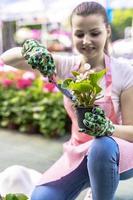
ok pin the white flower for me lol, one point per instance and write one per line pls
(29, 75)
(87, 66)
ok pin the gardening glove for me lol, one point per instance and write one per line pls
(38, 57)
(97, 124)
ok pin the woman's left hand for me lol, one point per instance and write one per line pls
(97, 124)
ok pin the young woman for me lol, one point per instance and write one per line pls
(87, 161)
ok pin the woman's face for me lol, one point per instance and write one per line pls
(89, 35)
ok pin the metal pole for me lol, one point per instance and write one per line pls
(1, 38)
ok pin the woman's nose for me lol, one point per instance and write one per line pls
(86, 39)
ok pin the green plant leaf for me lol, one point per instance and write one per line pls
(16, 196)
(95, 77)
(97, 89)
(21, 196)
(75, 73)
(66, 83)
(84, 86)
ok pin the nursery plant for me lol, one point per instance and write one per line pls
(85, 90)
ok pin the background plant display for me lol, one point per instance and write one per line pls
(118, 26)
(30, 104)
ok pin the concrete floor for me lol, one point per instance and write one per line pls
(36, 152)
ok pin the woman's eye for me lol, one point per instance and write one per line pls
(95, 34)
(79, 35)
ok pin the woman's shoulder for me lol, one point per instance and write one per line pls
(121, 63)
(122, 70)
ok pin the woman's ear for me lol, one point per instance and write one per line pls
(109, 30)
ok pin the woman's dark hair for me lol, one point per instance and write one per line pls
(90, 8)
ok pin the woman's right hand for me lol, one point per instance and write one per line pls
(38, 57)
(28, 47)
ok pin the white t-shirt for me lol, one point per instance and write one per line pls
(121, 70)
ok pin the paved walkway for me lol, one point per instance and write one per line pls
(36, 152)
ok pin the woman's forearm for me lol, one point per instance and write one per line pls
(124, 132)
(13, 57)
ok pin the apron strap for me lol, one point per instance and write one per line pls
(108, 90)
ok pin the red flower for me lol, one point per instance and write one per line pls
(7, 82)
(23, 83)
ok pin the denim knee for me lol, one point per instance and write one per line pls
(104, 150)
(46, 193)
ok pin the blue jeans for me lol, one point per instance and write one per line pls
(98, 170)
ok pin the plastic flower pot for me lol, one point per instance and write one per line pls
(80, 112)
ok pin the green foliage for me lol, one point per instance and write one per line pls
(32, 109)
(17, 196)
(85, 90)
(122, 18)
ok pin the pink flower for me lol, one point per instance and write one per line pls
(23, 83)
(49, 87)
(7, 82)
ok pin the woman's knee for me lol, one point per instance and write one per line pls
(46, 193)
(103, 149)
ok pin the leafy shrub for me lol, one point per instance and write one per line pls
(16, 196)
(122, 18)
(30, 104)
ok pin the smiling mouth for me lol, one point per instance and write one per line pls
(88, 48)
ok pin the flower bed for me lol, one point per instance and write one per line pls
(30, 104)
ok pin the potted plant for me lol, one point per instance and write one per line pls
(85, 90)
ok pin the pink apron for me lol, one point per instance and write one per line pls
(79, 144)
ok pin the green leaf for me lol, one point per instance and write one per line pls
(66, 83)
(95, 77)
(98, 89)
(75, 73)
(17, 196)
(21, 196)
(80, 86)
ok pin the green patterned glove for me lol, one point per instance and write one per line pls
(28, 47)
(38, 57)
(97, 124)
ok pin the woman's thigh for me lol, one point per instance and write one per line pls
(66, 188)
